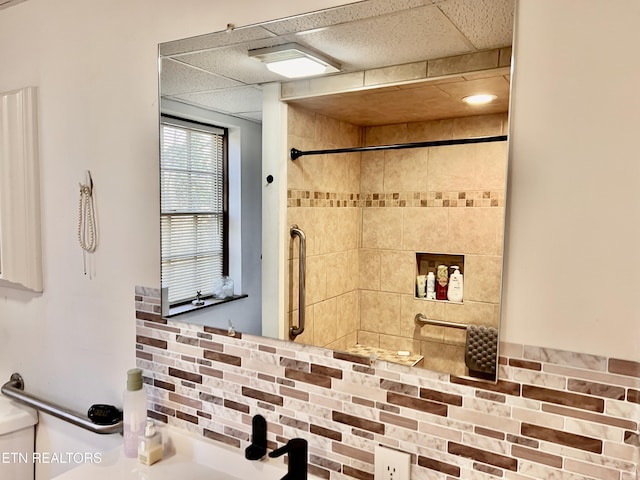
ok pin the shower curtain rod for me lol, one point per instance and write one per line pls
(295, 153)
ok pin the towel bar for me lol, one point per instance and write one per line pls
(420, 318)
(296, 232)
(14, 389)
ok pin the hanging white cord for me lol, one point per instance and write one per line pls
(86, 221)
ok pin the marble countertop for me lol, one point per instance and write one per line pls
(114, 465)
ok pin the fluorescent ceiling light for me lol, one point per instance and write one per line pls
(479, 99)
(294, 61)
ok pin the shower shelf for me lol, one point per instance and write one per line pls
(428, 262)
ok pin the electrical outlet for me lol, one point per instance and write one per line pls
(391, 464)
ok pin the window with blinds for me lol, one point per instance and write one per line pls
(193, 208)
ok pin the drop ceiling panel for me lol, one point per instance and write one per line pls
(235, 100)
(405, 37)
(177, 78)
(234, 62)
(214, 40)
(337, 16)
(486, 24)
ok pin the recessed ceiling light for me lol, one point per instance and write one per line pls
(479, 99)
(294, 61)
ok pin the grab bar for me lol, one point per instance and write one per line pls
(420, 318)
(296, 232)
(14, 389)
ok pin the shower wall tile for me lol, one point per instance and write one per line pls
(302, 123)
(441, 357)
(380, 312)
(491, 167)
(325, 322)
(369, 263)
(397, 165)
(380, 228)
(424, 228)
(484, 276)
(348, 316)
(479, 126)
(397, 271)
(471, 313)
(386, 134)
(372, 172)
(333, 234)
(453, 168)
(366, 215)
(430, 131)
(473, 231)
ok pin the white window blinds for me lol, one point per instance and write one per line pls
(192, 180)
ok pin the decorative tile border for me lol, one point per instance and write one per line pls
(306, 198)
(553, 414)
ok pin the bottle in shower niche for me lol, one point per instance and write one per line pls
(421, 281)
(431, 286)
(455, 290)
(134, 411)
(442, 280)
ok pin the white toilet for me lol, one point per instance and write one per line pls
(17, 436)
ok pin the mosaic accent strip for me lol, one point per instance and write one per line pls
(553, 414)
(466, 199)
(306, 198)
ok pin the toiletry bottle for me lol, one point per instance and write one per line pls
(150, 445)
(455, 290)
(421, 291)
(431, 286)
(134, 409)
(442, 279)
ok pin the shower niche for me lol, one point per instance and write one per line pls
(432, 265)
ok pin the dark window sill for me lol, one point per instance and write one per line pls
(208, 302)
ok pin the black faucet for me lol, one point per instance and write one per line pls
(258, 447)
(297, 450)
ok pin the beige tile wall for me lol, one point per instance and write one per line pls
(373, 211)
(451, 177)
(333, 234)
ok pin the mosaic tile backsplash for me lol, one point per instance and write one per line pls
(552, 415)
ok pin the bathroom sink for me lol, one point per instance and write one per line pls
(15, 417)
(114, 465)
(192, 457)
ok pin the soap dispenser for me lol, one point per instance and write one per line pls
(455, 290)
(150, 446)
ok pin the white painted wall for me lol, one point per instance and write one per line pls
(573, 248)
(573, 236)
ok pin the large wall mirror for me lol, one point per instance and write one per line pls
(390, 235)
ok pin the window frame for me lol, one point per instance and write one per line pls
(187, 123)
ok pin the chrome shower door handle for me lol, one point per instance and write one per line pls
(296, 232)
